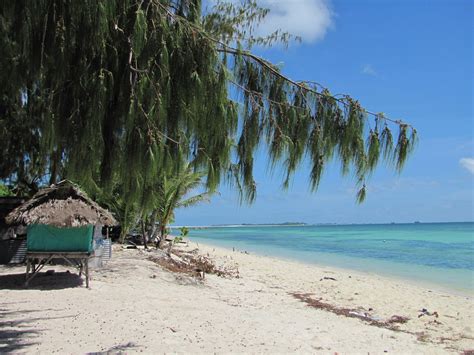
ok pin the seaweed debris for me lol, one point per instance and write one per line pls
(352, 313)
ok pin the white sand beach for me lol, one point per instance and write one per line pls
(134, 305)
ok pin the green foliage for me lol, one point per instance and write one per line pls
(5, 191)
(184, 231)
(361, 194)
(173, 192)
(373, 151)
(116, 95)
(232, 22)
(177, 192)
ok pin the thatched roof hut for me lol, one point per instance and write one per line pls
(61, 205)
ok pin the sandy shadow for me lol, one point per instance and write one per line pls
(42, 281)
(14, 341)
(15, 335)
(118, 349)
(18, 335)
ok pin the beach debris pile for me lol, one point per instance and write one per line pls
(194, 264)
(390, 323)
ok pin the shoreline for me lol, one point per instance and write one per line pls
(304, 224)
(417, 282)
(273, 306)
(387, 296)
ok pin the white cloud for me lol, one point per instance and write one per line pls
(309, 19)
(467, 163)
(368, 69)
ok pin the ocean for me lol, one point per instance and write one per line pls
(439, 254)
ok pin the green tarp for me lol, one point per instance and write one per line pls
(47, 238)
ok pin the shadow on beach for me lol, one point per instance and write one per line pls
(13, 341)
(118, 349)
(42, 281)
(17, 335)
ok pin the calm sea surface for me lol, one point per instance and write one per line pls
(436, 253)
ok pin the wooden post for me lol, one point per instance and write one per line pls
(87, 272)
(27, 270)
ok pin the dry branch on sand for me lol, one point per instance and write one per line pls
(194, 264)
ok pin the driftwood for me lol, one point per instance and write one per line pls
(193, 264)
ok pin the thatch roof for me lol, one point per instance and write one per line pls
(61, 205)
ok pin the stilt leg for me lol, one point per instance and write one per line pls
(87, 272)
(27, 271)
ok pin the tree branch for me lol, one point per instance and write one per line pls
(234, 51)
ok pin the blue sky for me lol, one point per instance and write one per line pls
(409, 59)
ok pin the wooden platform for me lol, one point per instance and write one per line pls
(35, 261)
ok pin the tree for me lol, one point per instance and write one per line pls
(20, 165)
(114, 93)
(174, 192)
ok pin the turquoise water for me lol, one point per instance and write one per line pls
(435, 253)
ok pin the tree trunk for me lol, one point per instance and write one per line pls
(54, 167)
(161, 243)
(170, 246)
(152, 226)
(123, 235)
(144, 234)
